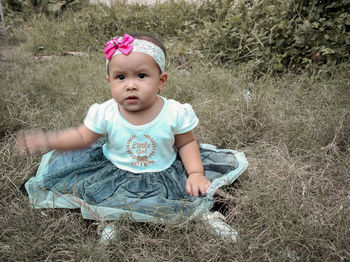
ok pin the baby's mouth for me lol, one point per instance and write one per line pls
(132, 99)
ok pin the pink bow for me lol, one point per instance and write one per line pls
(124, 46)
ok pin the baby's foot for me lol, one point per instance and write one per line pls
(107, 233)
(217, 221)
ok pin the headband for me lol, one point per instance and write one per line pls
(126, 44)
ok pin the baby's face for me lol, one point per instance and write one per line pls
(135, 81)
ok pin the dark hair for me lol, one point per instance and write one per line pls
(150, 38)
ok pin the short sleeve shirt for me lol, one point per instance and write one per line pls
(141, 148)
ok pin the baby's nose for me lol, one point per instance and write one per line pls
(131, 85)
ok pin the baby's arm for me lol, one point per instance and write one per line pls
(189, 152)
(69, 139)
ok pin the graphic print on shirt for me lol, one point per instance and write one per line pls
(141, 150)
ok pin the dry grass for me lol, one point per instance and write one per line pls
(292, 204)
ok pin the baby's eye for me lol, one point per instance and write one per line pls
(120, 77)
(141, 75)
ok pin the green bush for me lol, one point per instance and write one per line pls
(16, 11)
(270, 35)
(277, 34)
(19, 11)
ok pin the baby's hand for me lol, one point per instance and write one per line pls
(197, 183)
(35, 141)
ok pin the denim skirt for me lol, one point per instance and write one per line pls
(87, 180)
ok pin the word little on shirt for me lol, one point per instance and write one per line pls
(141, 151)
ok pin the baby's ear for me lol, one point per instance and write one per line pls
(162, 80)
(108, 79)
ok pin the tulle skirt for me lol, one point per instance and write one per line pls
(86, 179)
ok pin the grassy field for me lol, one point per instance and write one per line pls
(292, 204)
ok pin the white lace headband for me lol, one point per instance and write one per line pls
(126, 44)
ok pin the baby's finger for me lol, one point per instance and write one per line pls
(195, 190)
(204, 187)
(21, 145)
(189, 189)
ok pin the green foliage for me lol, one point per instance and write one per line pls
(270, 35)
(161, 19)
(19, 11)
(277, 35)
(16, 11)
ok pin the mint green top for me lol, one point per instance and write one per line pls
(143, 148)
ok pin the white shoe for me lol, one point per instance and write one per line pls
(107, 234)
(217, 221)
